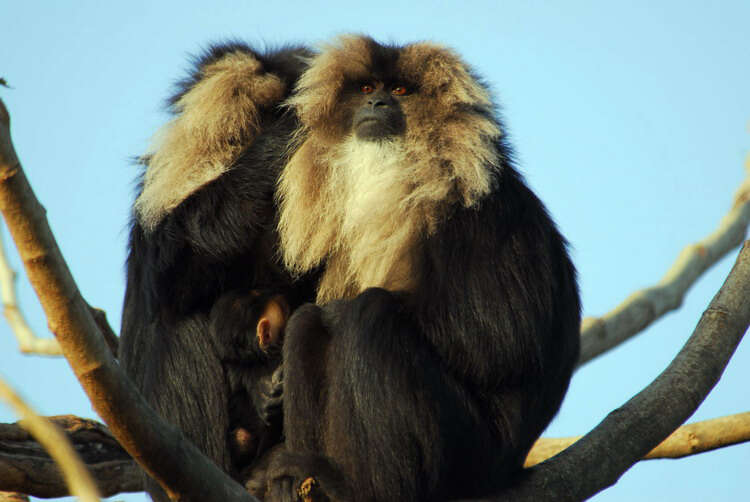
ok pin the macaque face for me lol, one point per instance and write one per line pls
(378, 114)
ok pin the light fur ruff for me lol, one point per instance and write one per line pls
(361, 207)
(216, 119)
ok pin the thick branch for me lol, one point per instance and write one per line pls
(158, 447)
(628, 433)
(27, 468)
(688, 440)
(643, 307)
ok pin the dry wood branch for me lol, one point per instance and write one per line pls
(634, 429)
(25, 466)
(13, 497)
(77, 478)
(28, 343)
(643, 307)
(688, 440)
(159, 448)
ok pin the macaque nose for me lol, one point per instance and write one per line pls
(376, 102)
(379, 98)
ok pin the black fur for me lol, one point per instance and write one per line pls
(440, 393)
(219, 243)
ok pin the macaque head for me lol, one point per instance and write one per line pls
(391, 139)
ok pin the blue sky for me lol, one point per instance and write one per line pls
(631, 120)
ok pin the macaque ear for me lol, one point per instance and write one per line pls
(263, 332)
(270, 327)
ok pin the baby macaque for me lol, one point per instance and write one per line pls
(250, 328)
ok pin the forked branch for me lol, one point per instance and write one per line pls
(627, 434)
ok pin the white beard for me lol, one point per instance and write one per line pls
(378, 229)
(364, 207)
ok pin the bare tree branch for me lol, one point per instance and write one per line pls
(13, 497)
(26, 467)
(691, 439)
(643, 307)
(631, 431)
(28, 343)
(77, 478)
(159, 448)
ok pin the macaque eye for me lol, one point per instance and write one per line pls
(367, 88)
(399, 90)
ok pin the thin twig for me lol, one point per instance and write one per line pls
(639, 310)
(28, 342)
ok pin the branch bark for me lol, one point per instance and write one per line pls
(643, 307)
(77, 478)
(631, 431)
(180, 468)
(26, 467)
(13, 497)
